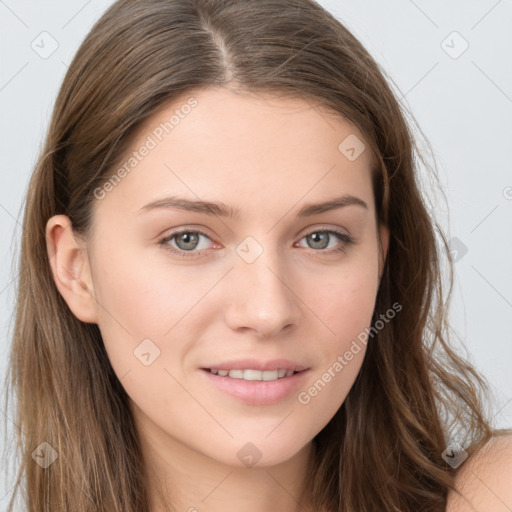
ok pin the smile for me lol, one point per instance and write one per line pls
(249, 374)
(257, 387)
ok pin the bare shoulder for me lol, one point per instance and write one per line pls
(485, 479)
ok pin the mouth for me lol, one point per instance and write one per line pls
(257, 387)
(254, 375)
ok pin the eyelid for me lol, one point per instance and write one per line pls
(313, 228)
(346, 240)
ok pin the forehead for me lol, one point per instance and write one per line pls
(248, 117)
(221, 144)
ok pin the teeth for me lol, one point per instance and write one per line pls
(270, 375)
(250, 374)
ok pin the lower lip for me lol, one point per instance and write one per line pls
(258, 392)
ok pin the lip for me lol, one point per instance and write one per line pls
(255, 392)
(254, 364)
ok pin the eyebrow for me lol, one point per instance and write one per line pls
(222, 210)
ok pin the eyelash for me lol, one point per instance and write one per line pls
(343, 237)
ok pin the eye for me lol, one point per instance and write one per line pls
(320, 239)
(188, 241)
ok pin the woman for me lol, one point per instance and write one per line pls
(230, 294)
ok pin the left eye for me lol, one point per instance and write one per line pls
(187, 241)
(322, 238)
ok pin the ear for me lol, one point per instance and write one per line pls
(70, 268)
(384, 244)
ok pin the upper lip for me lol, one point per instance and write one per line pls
(255, 364)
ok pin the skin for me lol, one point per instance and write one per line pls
(483, 481)
(267, 156)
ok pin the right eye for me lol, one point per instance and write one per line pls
(187, 239)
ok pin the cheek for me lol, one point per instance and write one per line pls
(140, 302)
(143, 314)
(344, 301)
(345, 305)
(143, 296)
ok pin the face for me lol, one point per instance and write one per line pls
(278, 287)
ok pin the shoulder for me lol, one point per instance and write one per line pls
(485, 479)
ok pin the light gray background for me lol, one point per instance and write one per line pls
(463, 104)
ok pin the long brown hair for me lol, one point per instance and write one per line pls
(382, 450)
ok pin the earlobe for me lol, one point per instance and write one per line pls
(70, 268)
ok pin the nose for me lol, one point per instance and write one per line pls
(262, 299)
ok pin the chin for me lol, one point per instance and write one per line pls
(258, 452)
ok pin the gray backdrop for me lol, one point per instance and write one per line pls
(450, 63)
